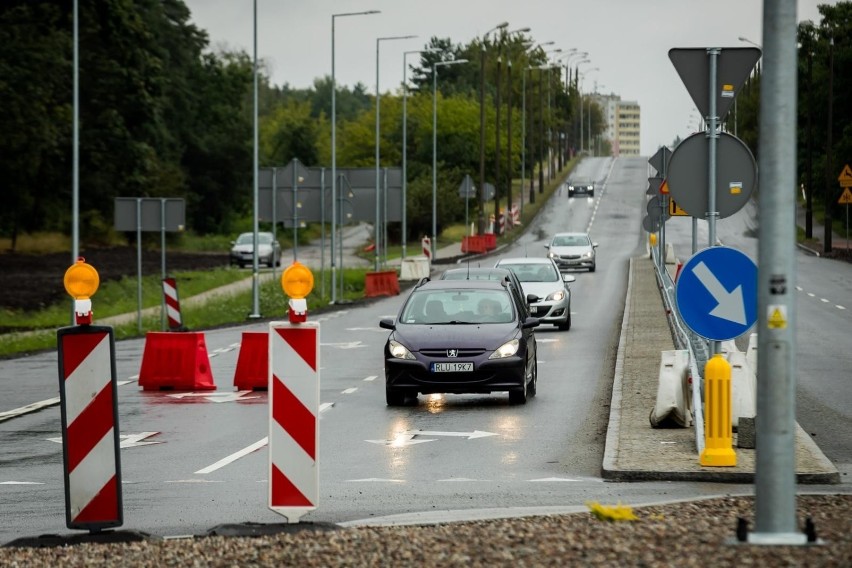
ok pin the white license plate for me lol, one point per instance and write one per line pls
(452, 368)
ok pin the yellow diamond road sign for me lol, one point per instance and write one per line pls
(845, 197)
(777, 317)
(845, 177)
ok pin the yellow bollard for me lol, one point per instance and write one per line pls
(718, 437)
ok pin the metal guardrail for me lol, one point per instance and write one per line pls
(698, 347)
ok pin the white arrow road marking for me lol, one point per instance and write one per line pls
(234, 457)
(193, 481)
(400, 441)
(730, 304)
(468, 435)
(20, 483)
(127, 440)
(413, 437)
(215, 396)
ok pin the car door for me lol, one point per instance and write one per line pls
(527, 333)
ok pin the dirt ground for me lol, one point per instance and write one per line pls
(30, 282)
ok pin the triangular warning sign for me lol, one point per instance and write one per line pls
(777, 319)
(845, 177)
(845, 197)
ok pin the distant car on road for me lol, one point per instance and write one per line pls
(268, 250)
(545, 287)
(461, 336)
(586, 187)
(572, 250)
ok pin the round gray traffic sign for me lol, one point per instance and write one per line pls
(736, 175)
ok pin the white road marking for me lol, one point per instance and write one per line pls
(839, 307)
(234, 457)
(344, 345)
(20, 483)
(122, 383)
(325, 406)
(453, 479)
(375, 479)
(823, 300)
(350, 390)
(371, 378)
(553, 479)
(193, 481)
(216, 396)
(126, 440)
(28, 408)
(468, 435)
(379, 329)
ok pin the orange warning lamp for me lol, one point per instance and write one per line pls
(81, 282)
(297, 281)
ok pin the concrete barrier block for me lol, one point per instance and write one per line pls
(671, 406)
(414, 268)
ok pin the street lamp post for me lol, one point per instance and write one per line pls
(435, 147)
(334, 152)
(377, 228)
(481, 228)
(404, 242)
(524, 130)
(255, 275)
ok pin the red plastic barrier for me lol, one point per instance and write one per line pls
(252, 371)
(381, 284)
(490, 241)
(175, 361)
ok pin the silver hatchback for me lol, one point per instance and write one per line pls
(540, 278)
(572, 250)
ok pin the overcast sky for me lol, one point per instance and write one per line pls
(627, 40)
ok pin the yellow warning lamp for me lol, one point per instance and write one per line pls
(81, 282)
(652, 239)
(297, 281)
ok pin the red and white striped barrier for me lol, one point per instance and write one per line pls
(90, 434)
(170, 293)
(426, 247)
(294, 418)
(516, 215)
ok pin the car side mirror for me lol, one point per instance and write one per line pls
(568, 278)
(531, 322)
(594, 245)
(547, 246)
(532, 298)
(387, 323)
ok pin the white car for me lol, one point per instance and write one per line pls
(545, 287)
(268, 250)
(572, 250)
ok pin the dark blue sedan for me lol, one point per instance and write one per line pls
(461, 336)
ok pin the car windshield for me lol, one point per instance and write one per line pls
(570, 241)
(468, 306)
(248, 238)
(533, 272)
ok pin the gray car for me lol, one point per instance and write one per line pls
(268, 250)
(541, 279)
(586, 187)
(572, 250)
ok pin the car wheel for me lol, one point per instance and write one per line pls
(519, 396)
(533, 388)
(394, 397)
(592, 268)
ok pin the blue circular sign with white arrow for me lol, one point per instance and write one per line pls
(716, 293)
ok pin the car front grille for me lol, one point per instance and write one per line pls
(442, 353)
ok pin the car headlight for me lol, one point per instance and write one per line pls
(399, 351)
(551, 255)
(587, 255)
(557, 296)
(506, 350)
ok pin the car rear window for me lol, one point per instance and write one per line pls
(533, 272)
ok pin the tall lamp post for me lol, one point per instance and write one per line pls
(334, 151)
(498, 181)
(524, 129)
(481, 228)
(435, 147)
(541, 123)
(255, 275)
(377, 228)
(405, 141)
(589, 114)
(580, 94)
